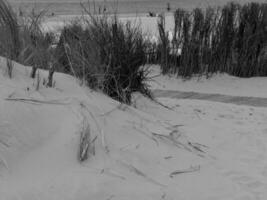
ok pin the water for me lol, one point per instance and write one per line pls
(73, 7)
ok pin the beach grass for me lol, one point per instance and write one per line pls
(230, 39)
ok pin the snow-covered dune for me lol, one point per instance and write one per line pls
(220, 83)
(191, 150)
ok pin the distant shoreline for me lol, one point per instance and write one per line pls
(133, 7)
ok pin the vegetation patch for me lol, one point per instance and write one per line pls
(102, 52)
(231, 39)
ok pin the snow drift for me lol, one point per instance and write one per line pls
(144, 151)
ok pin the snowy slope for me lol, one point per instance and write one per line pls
(193, 150)
(220, 83)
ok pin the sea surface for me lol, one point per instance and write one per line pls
(73, 7)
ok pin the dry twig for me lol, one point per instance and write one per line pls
(189, 170)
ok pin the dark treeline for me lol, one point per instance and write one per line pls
(231, 39)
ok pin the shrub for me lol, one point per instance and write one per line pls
(105, 54)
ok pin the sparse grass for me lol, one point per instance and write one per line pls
(87, 143)
(23, 40)
(51, 71)
(105, 54)
(9, 31)
(9, 65)
(36, 48)
(230, 39)
(164, 46)
(85, 140)
(38, 81)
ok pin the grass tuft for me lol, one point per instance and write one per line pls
(105, 54)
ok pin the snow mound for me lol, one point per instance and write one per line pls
(39, 142)
(144, 151)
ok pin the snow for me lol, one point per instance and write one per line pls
(220, 83)
(221, 148)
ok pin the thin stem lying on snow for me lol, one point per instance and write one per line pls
(188, 170)
(25, 100)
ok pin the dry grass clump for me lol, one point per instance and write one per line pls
(230, 39)
(85, 140)
(87, 144)
(77, 54)
(23, 40)
(164, 46)
(9, 68)
(36, 48)
(105, 54)
(9, 32)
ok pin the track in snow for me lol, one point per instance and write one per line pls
(237, 100)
